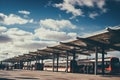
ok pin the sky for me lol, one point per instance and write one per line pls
(28, 25)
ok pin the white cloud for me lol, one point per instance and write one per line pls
(24, 12)
(2, 29)
(31, 21)
(56, 24)
(5, 39)
(19, 48)
(12, 19)
(69, 6)
(93, 15)
(19, 35)
(16, 41)
(47, 34)
(34, 45)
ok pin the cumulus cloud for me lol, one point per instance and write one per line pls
(47, 34)
(34, 45)
(5, 38)
(2, 17)
(93, 15)
(19, 35)
(56, 24)
(17, 41)
(70, 6)
(24, 12)
(2, 29)
(12, 19)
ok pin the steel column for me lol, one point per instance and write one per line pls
(96, 60)
(67, 62)
(103, 68)
(53, 62)
(57, 61)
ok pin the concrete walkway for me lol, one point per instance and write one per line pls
(44, 75)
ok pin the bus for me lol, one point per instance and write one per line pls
(87, 66)
(111, 65)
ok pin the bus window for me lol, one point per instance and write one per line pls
(107, 64)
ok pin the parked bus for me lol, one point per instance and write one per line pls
(111, 65)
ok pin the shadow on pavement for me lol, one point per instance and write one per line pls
(26, 78)
(114, 75)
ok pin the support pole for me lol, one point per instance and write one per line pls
(19, 64)
(53, 62)
(41, 61)
(30, 65)
(96, 60)
(57, 61)
(74, 54)
(23, 65)
(67, 62)
(73, 63)
(103, 67)
(0, 62)
(27, 65)
(36, 60)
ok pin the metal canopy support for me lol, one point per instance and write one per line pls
(39, 59)
(73, 62)
(67, 62)
(87, 40)
(0, 62)
(57, 61)
(30, 65)
(27, 65)
(20, 63)
(23, 65)
(103, 67)
(74, 54)
(36, 60)
(96, 60)
(42, 61)
(53, 62)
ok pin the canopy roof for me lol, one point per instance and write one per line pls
(109, 39)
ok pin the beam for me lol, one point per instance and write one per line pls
(57, 48)
(70, 51)
(74, 45)
(93, 42)
(113, 31)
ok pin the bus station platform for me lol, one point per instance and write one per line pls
(47, 75)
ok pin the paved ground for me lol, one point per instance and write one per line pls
(44, 75)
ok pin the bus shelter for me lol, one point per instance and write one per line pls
(100, 42)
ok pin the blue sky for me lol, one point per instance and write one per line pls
(26, 25)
